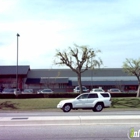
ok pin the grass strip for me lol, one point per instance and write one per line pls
(51, 103)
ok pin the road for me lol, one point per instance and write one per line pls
(76, 125)
(67, 132)
(72, 113)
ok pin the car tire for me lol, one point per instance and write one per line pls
(98, 107)
(67, 107)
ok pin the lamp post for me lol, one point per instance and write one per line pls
(17, 65)
(92, 52)
(91, 75)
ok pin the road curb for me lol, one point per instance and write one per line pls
(58, 110)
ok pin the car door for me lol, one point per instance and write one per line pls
(91, 99)
(80, 101)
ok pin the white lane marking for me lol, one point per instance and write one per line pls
(70, 118)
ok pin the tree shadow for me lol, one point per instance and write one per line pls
(7, 105)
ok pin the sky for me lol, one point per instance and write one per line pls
(112, 26)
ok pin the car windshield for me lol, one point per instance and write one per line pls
(82, 88)
(47, 90)
(8, 90)
(98, 90)
(27, 90)
(115, 90)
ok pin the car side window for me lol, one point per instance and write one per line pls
(84, 96)
(105, 94)
(93, 95)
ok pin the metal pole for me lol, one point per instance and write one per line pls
(91, 75)
(92, 71)
(91, 78)
(17, 65)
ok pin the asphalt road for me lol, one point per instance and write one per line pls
(67, 132)
(76, 125)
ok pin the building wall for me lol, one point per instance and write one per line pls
(105, 78)
(11, 82)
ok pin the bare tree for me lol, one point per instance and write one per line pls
(132, 67)
(119, 85)
(78, 59)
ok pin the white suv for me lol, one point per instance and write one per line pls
(95, 101)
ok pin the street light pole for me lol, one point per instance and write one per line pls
(91, 75)
(92, 70)
(17, 65)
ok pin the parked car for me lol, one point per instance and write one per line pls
(8, 91)
(77, 89)
(11, 91)
(114, 90)
(95, 101)
(27, 91)
(132, 91)
(97, 90)
(44, 91)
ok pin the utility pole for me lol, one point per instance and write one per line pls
(17, 65)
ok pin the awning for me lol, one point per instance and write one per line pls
(32, 81)
(54, 80)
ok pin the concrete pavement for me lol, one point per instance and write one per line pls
(69, 120)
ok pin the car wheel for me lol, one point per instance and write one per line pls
(98, 107)
(67, 107)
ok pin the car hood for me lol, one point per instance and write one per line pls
(68, 100)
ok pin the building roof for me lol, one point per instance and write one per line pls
(12, 70)
(105, 76)
(105, 83)
(111, 78)
(104, 72)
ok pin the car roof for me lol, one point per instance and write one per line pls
(79, 86)
(95, 92)
(97, 89)
(114, 89)
(101, 93)
(8, 89)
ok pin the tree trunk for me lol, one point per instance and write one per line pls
(138, 91)
(79, 82)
